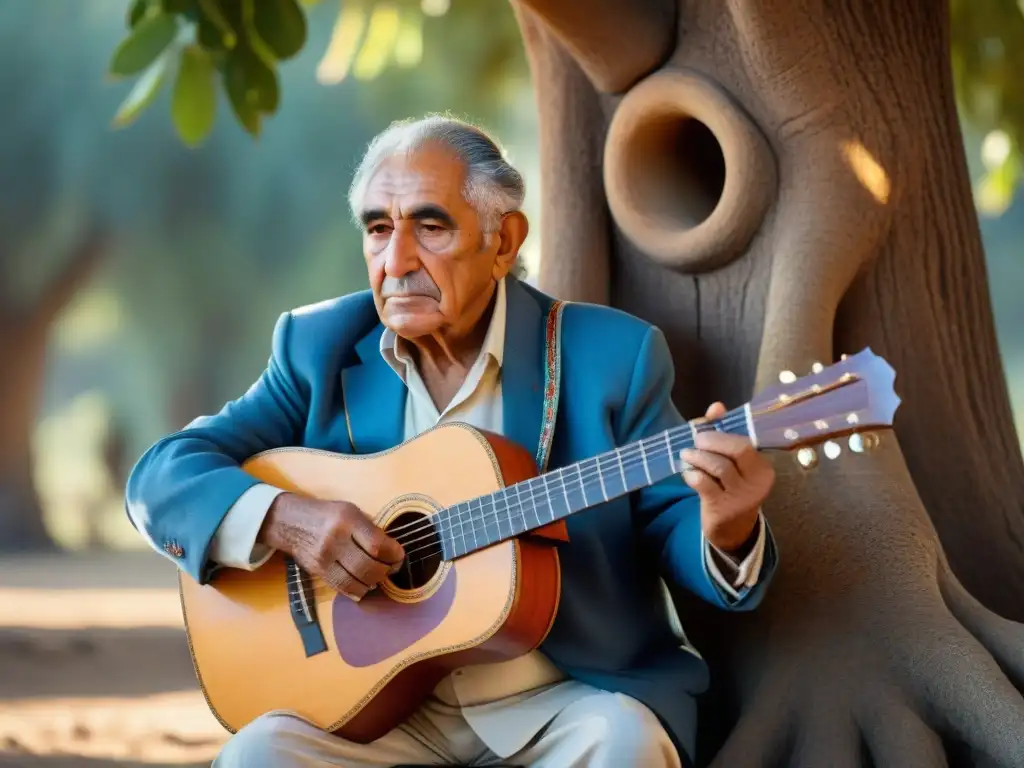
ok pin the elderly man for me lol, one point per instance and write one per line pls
(447, 332)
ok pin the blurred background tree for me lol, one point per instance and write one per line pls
(151, 272)
(168, 316)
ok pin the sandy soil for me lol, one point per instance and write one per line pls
(94, 667)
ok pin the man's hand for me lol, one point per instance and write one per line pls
(333, 540)
(732, 480)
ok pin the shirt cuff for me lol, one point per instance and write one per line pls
(732, 575)
(234, 545)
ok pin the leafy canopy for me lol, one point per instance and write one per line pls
(241, 43)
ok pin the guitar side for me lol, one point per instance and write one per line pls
(386, 653)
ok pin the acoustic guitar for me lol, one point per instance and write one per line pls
(480, 528)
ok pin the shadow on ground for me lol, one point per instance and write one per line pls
(94, 666)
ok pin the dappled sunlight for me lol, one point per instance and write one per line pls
(82, 504)
(91, 670)
(993, 192)
(89, 608)
(166, 728)
(365, 40)
(867, 170)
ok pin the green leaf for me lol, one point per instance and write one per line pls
(252, 88)
(280, 25)
(136, 11)
(194, 102)
(142, 93)
(214, 29)
(255, 80)
(147, 40)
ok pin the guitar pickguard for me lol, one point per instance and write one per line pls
(378, 627)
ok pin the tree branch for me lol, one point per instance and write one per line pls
(616, 42)
(86, 256)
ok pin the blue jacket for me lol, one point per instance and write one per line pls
(612, 630)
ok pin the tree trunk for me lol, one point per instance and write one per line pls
(21, 522)
(24, 337)
(774, 184)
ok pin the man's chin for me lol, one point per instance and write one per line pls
(413, 325)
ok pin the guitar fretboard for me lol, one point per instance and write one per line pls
(534, 503)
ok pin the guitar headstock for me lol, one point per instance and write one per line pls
(852, 395)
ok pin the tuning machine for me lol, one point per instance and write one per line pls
(788, 377)
(862, 442)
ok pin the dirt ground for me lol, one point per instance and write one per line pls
(94, 667)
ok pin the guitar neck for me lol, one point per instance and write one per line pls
(539, 501)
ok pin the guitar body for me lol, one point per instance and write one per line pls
(386, 653)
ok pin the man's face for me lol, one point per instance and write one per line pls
(428, 258)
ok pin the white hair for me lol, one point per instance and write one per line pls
(493, 187)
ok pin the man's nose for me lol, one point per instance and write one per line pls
(401, 256)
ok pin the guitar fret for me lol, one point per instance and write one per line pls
(622, 471)
(643, 456)
(497, 515)
(600, 477)
(583, 485)
(565, 488)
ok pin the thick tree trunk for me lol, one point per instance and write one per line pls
(24, 336)
(21, 522)
(774, 184)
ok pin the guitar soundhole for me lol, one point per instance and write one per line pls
(418, 536)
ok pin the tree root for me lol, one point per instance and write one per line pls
(895, 735)
(869, 651)
(1002, 638)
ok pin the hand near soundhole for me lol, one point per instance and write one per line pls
(732, 480)
(332, 540)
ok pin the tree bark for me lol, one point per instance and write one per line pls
(24, 337)
(790, 185)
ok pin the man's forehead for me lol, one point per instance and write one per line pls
(426, 174)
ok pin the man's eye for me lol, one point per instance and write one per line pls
(433, 227)
(378, 229)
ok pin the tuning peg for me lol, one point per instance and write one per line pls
(862, 442)
(832, 449)
(787, 377)
(817, 368)
(807, 457)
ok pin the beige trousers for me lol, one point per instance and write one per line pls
(597, 730)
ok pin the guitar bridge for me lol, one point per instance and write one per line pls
(302, 603)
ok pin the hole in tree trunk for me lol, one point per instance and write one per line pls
(688, 176)
(680, 171)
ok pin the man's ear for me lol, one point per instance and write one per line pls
(512, 234)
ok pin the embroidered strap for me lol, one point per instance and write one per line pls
(552, 382)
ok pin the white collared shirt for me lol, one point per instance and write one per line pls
(478, 400)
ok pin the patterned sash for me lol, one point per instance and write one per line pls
(552, 382)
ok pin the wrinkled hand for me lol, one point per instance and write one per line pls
(332, 540)
(732, 480)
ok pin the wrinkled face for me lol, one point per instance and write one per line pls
(432, 267)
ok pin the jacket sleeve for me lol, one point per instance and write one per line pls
(183, 486)
(667, 514)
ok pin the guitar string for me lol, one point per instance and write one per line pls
(508, 515)
(631, 458)
(730, 420)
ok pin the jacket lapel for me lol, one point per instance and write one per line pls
(374, 398)
(522, 384)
